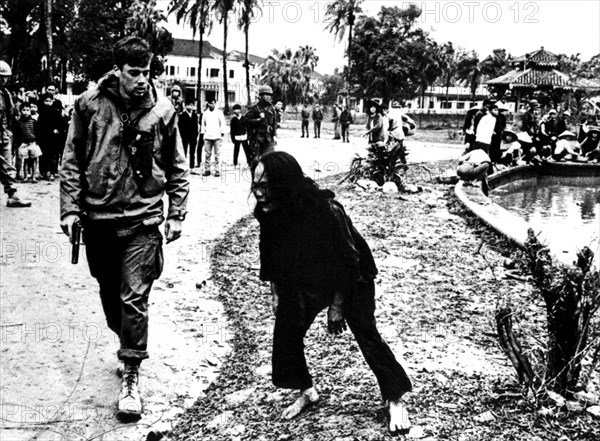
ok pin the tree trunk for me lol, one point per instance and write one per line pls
(63, 73)
(199, 88)
(49, 40)
(349, 76)
(225, 89)
(247, 63)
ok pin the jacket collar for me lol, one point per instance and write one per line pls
(109, 85)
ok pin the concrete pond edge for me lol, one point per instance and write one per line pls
(506, 223)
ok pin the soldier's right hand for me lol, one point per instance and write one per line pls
(66, 224)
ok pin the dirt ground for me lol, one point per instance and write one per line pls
(57, 356)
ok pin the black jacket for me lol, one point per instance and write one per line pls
(188, 126)
(316, 249)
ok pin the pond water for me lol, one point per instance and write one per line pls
(566, 209)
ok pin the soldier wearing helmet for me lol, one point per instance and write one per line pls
(262, 123)
(7, 171)
(176, 99)
(7, 109)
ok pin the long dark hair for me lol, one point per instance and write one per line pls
(290, 189)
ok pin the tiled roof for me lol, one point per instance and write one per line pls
(189, 48)
(534, 78)
(541, 57)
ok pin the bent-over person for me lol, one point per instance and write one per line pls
(315, 259)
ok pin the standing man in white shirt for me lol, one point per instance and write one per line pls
(485, 129)
(213, 129)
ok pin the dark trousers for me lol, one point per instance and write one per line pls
(345, 133)
(304, 127)
(50, 154)
(317, 128)
(236, 151)
(125, 268)
(295, 314)
(6, 176)
(190, 144)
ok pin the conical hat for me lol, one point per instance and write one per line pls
(566, 134)
(524, 137)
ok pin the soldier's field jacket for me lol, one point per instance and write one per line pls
(100, 176)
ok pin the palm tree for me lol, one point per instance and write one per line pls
(197, 14)
(49, 39)
(306, 60)
(339, 16)
(448, 65)
(283, 72)
(468, 71)
(144, 21)
(247, 13)
(222, 9)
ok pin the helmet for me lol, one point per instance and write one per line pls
(176, 88)
(5, 70)
(264, 90)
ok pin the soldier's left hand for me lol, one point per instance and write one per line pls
(172, 229)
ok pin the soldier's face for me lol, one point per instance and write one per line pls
(266, 97)
(134, 81)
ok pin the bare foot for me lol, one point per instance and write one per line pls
(306, 398)
(398, 417)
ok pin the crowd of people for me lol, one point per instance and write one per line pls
(253, 132)
(492, 144)
(310, 252)
(128, 146)
(33, 128)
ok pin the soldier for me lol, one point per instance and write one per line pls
(262, 123)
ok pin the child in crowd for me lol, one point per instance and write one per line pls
(28, 151)
(473, 166)
(510, 148)
(34, 111)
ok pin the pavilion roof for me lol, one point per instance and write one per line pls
(533, 78)
(540, 58)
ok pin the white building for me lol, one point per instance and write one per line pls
(181, 67)
(458, 100)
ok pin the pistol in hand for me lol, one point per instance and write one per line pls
(75, 241)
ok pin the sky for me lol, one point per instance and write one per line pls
(568, 27)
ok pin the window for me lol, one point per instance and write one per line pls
(446, 105)
(214, 73)
(409, 105)
(431, 103)
(172, 70)
(460, 105)
(192, 71)
(231, 97)
(231, 73)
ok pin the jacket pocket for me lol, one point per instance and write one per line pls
(155, 183)
(95, 178)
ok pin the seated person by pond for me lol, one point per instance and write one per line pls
(590, 146)
(510, 148)
(473, 166)
(567, 148)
